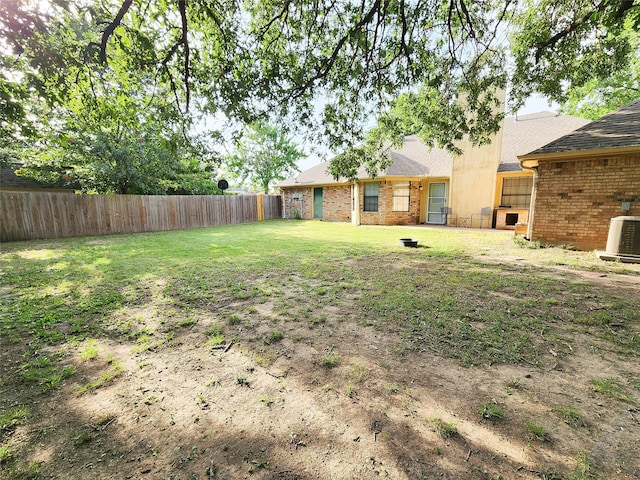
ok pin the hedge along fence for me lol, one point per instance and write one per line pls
(36, 215)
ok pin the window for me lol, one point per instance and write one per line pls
(401, 196)
(371, 190)
(516, 192)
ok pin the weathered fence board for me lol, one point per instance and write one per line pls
(35, 215)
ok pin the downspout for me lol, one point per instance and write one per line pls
(534, 191)
(532, 208)
(284, 203)
(355, 198)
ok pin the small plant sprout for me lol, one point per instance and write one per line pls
(538, 431)
(187, 322)
(350, 391)
(46, 372)
(571, 416)
(359, 373)
(490, 411)
(610, 387)
(549, 473)
(262, 358)
(5, 452)
(330, 360)
(268, 401)
(88, 350)
(444, 429)
(260, 463)
(13, 417)
(82, 438)
(583, 469)
(393, 387)
(273, 337)
(511, 385)
(215, 340)
(213, 331)
(105, 377)
(242, 380)
(523, 243)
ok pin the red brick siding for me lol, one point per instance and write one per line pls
(292, 204)
(385, 214)
(336, 203)
(576, 200)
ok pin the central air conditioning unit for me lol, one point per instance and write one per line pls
(624, 237)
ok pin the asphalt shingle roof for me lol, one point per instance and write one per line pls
(618, 129)
(8, 179)
(415, 159)
(313, 176)
(525, 133)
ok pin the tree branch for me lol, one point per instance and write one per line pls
(182, 5)
(284, 13)
(330, 61)
(174, 48)
(467, 17)
(403, 43)
(124, 8)
(623, 7)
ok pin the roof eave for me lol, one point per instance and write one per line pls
(358, 180)
(532, 161)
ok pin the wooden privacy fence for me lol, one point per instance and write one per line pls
(35, 215)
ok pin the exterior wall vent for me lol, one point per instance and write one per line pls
(511, 219)
(624, 236)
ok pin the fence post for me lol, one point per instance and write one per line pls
(260, 206)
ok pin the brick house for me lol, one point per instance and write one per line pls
(484, 187)
(585, 178)
(393, 198)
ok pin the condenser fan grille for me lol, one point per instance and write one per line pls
(624, 236)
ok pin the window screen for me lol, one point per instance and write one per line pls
(371, 190)
(516, 192)
(401, 192)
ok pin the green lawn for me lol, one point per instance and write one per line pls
(442, 296)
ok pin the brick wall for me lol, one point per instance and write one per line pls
(385, 214)
(293, 206)
(576, 200)
(337, 205)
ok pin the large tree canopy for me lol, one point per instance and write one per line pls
(263, 154)
(561, 46)
(431, 67)
(600, 95)
(103, 127)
